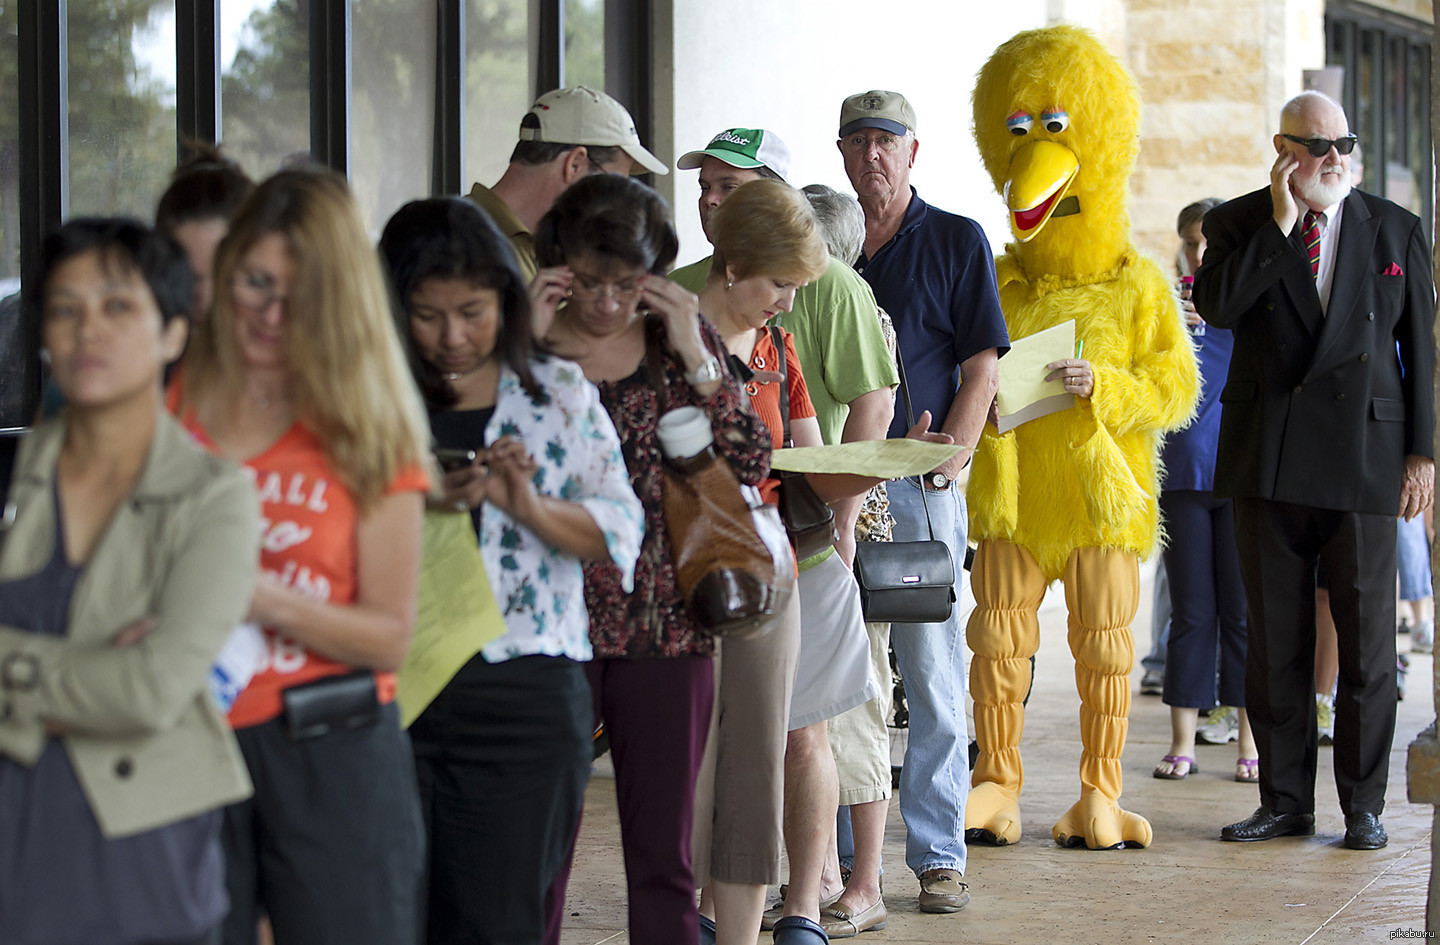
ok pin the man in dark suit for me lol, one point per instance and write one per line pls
(1325, 434)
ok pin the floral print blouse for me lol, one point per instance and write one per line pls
(653, 620)
(540, 589)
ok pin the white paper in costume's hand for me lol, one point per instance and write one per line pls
(1023, 393)
(882, 459)
(456, 613)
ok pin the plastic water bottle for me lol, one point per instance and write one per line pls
(237, 664)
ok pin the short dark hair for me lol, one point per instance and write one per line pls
(1195, 212)
(205, 186)
(608, 215)
(543, 152)
(451, 238)
(767, 174)
(126, 244)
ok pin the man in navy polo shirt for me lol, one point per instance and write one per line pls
(934, 273)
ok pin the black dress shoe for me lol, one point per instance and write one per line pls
(1266, 824)
(1364, 832)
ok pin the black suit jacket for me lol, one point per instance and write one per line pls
(1318, 409)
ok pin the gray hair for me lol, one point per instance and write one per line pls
(842, 222)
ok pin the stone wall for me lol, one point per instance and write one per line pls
(1213, 75)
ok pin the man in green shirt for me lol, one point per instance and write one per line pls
(567, 134)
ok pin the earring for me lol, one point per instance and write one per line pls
(729, 285)
(45, 356)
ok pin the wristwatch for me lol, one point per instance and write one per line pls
(937, 481)
(707, 372)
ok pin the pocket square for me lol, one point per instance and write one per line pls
(1393, 270)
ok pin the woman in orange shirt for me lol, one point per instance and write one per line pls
(299, 377)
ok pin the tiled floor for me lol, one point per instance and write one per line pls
(1187, 886)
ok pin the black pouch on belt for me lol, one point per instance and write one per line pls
(335, 703)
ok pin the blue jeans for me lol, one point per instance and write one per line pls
(935, 780)
(1159, 621)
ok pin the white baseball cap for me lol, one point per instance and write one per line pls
(581, 115)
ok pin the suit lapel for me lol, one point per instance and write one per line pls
(1300, 285)
(1358, 231)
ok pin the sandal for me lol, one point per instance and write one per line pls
(1174, 774)
(1247, 770)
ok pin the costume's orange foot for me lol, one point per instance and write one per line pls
(1098, 822)
(992, 815)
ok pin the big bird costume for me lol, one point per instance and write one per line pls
(1070, 495)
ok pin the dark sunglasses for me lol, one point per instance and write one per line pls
(1319, 147)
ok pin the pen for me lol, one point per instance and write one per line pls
(1079, 348)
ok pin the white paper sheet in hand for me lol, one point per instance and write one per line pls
(1024, 394)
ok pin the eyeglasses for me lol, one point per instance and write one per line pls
(255, 292)
(859, 143)
(1319, 147)
(588, 290)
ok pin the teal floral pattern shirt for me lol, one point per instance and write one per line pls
(541, 590)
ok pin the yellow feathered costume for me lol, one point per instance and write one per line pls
(1070, 495)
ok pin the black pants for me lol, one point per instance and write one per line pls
(1279, 546)
(331, 845)
(502, 757)
(1207, 602)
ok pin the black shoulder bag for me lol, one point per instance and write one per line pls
(808, 519)
(906, 581)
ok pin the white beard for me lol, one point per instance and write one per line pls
(1326, 195)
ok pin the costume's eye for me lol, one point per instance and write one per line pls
(1020, 123)
(1055, 122)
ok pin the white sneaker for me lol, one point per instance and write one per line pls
(1220, 727)
(1325, 718)
(1422, 638)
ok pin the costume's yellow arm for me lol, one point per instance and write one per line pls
(1158, 390)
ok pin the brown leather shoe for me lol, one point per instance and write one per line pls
(943, 891)
(840, 922)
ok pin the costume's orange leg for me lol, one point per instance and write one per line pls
(1003, 633)
(1102, 593)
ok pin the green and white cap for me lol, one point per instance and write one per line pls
(742, 147)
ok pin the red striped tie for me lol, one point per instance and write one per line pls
(1312, 240)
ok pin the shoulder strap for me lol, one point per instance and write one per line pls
(910, 422)
(777, 338)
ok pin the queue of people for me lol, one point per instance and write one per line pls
(212, 547)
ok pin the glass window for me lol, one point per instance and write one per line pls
(17, 357)
(392, 105)
(122, 105)
(585, 43)
(264, 83)
(499, 76)
(9, 149)
(1395, 99)
(1419, 157)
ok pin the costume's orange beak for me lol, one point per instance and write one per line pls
(1039, 174)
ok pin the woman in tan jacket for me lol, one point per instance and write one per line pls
(127, 554)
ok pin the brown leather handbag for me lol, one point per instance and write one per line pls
(733, 564)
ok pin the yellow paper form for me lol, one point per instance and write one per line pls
(456, 613)
(1024, 394)
(883, 459)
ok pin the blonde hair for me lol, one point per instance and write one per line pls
(767, 226)
(349, 377)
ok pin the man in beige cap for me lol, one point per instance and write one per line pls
(934, 273)
(567, 134)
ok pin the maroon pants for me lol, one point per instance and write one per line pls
(657, 714)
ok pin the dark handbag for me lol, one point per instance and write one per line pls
(906, 581)
(733, 566)
(809, 520)
(335, 703)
